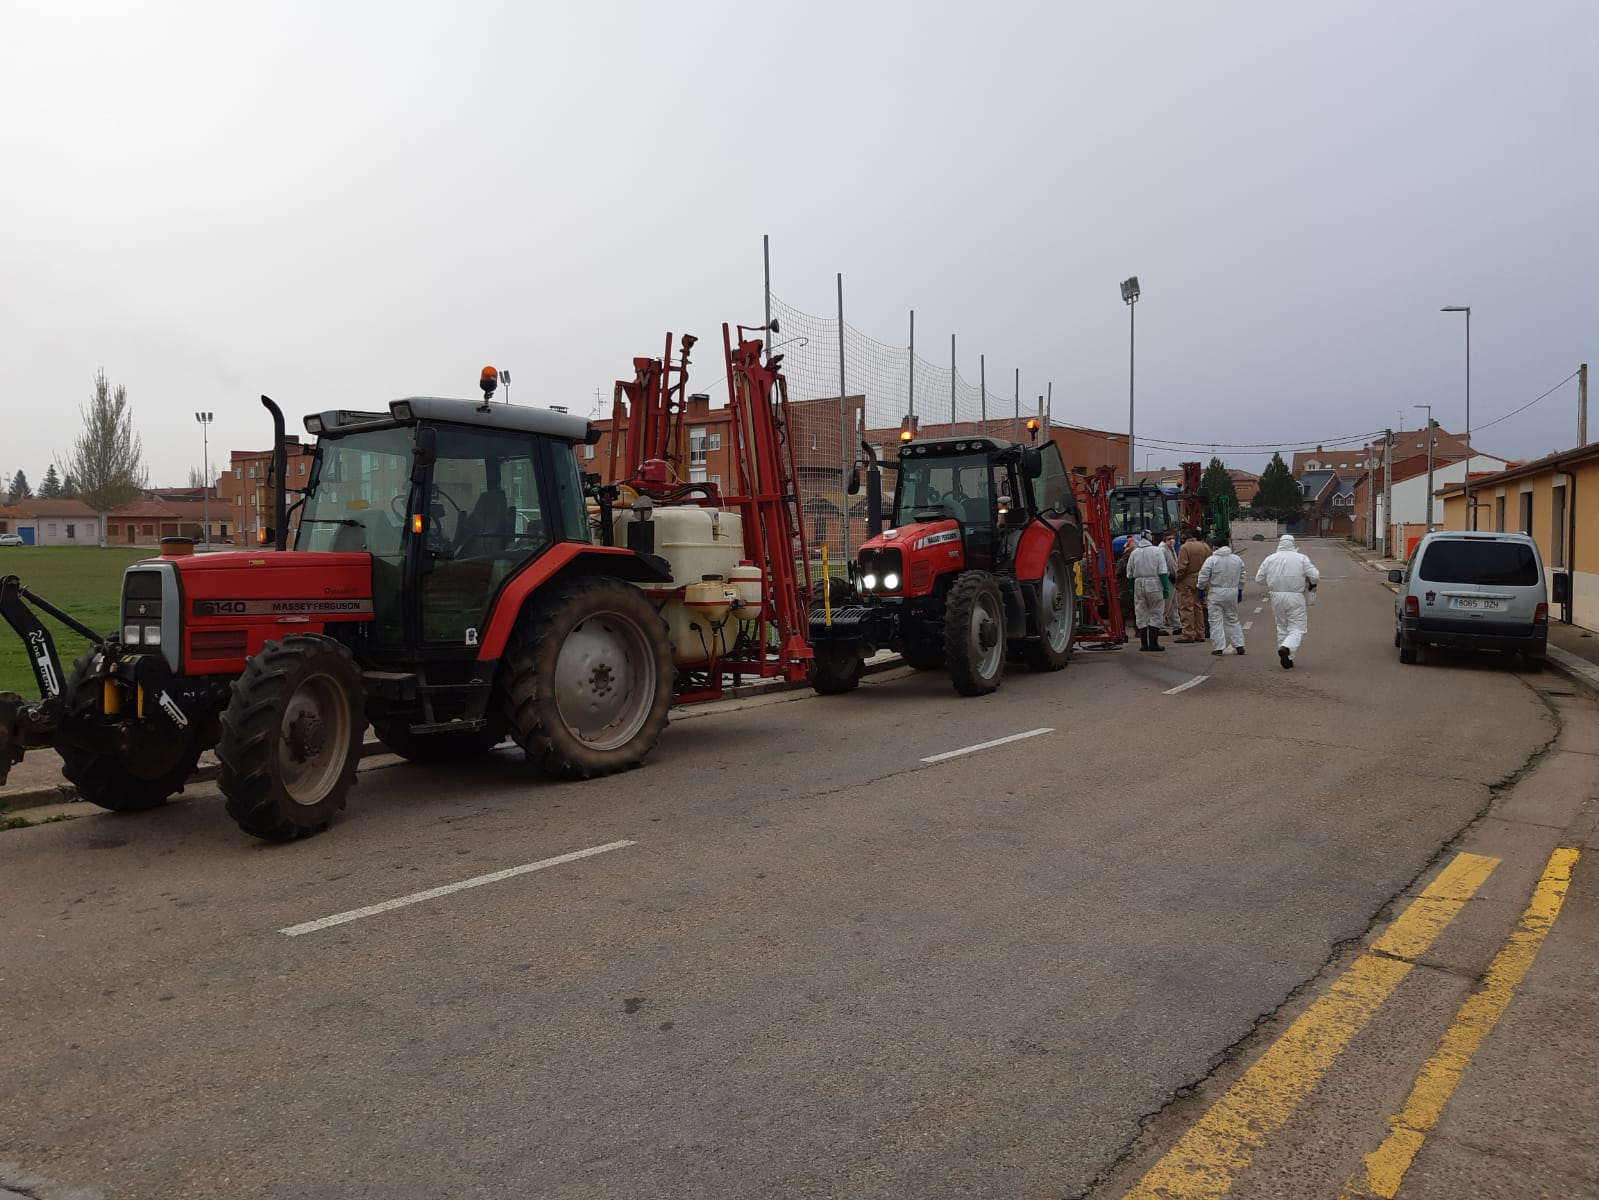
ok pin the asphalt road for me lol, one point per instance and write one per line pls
(823, 967)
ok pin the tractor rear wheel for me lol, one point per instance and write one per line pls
(836, 669)
(1057, 618)
(974, 634)
(119, 785)
(587, 687)
(291, 737)
(446, 747)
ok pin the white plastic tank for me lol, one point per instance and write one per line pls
(750, 583)
(698, 542)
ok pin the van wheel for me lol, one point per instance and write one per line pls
(1408, 654)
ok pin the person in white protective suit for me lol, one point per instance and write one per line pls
(1221, 587)
(1288, 575)
(1146, 567)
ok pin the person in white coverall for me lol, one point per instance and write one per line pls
(1221, 587)
(1146, 567)
(1288, 574)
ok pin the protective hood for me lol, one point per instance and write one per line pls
(1221, 551)
(1286, 542)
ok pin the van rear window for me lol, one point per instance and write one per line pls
(1505, 564)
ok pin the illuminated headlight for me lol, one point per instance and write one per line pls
(937, 539)
(868, 581)
(130, 634)
(152, 635)
(890, 582)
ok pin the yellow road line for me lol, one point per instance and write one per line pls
(1384, 1168)
(1207, 1158)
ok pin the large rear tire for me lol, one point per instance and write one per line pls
(588, 685)
(1057, 618)
(127, 786)
(974, 634)
(291, 737)
(445, 747)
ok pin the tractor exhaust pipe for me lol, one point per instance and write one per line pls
(280, 470)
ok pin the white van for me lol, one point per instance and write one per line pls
(1475, 591)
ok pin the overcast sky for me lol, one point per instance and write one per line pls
(340, 203)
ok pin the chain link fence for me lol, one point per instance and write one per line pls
(869, 394)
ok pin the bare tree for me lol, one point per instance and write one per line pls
(197, 478)
(106, 463)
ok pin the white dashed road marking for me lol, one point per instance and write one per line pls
(1247, 624)
(1183, 687)
(371, 910)
(1015, 737)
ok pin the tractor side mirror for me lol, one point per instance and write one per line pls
(425, 453)
(1032, 462)
(853, 487)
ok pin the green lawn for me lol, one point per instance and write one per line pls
(85, 581)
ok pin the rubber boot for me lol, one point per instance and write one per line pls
(1154, 638)
(1143, 637)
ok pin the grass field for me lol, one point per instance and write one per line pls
(85, 581)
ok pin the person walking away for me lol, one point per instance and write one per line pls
(1288, 574)
(1151, 577)
(1190, 561)
(1172, 618)
(1221, 587)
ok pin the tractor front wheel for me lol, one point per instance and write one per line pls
(588, 685)
(291, 737)
(1057, 618)
(836, 669)
(974, 634)
(148, 781)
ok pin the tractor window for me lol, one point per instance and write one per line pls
(1054, 486)
(958, 486)
(356, 498)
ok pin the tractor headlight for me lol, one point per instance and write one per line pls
(890, 582)
(152, 635)
(130, 634)
(868, 581)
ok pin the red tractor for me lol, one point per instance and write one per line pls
(454, 580)
(977, 569)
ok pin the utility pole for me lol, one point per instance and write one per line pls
(952, 385)
(204, 418)
(1582, 404)
(911, 411)
(1387, 492)
(846, 442)
(1018, 396)
(1431, 438)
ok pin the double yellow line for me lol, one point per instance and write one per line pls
(1209, 1156)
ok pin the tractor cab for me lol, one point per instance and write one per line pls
(450, 501)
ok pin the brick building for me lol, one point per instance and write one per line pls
(244, 493)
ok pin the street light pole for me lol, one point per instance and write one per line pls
(1430, 440)
(1130, 294)
(1471, 509)
(205, 441)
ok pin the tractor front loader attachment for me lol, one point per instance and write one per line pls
(28, 724)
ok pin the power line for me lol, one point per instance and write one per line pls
(1530, 403)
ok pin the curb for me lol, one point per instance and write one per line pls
(65, 793)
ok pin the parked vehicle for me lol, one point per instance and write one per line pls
(11, 539)
(1473, 591)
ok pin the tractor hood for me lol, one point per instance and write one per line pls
(913, 537)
